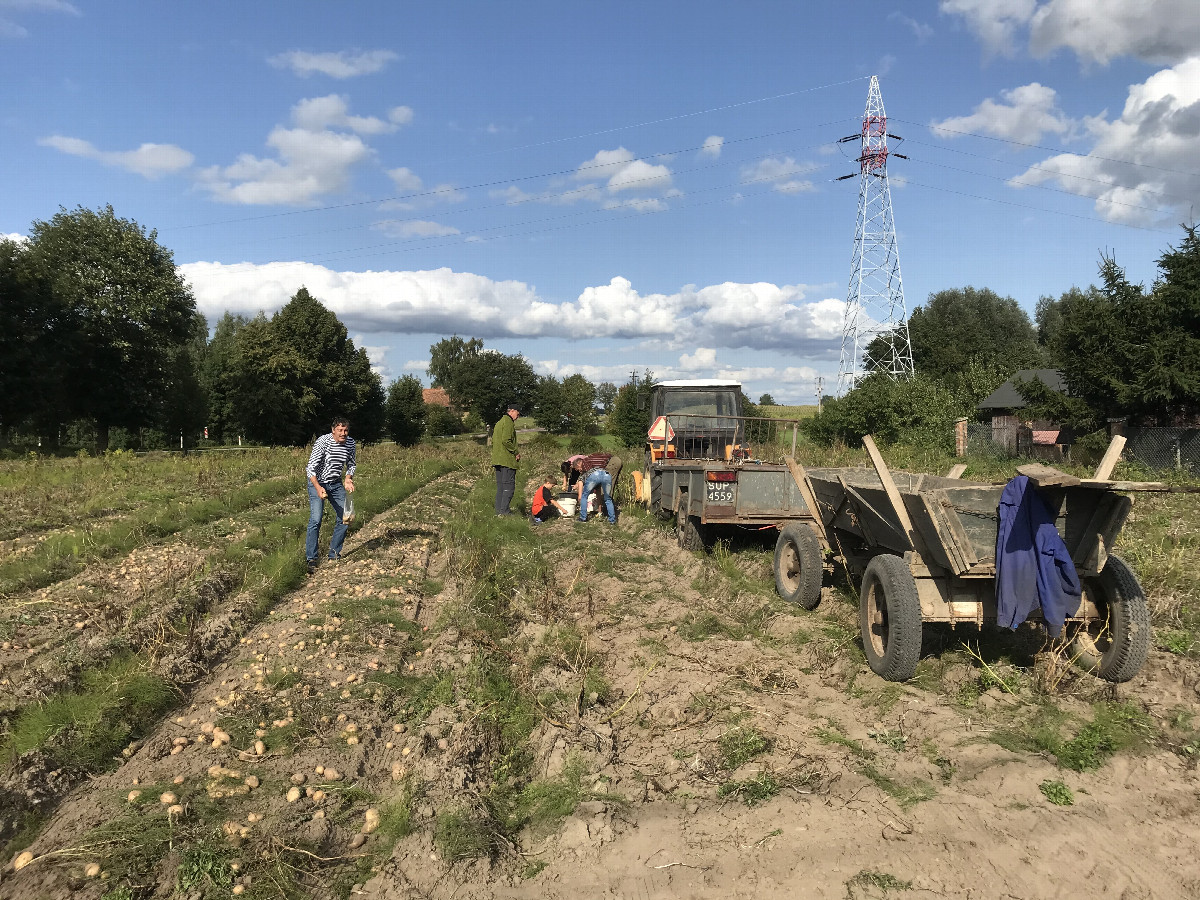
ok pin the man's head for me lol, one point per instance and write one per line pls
(340, 429)
(514, 410)
(548, 481)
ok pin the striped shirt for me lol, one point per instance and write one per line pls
(595, 461)
(327, 458)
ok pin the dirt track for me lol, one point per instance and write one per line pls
(881, 789)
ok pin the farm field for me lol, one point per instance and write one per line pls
(465, 706)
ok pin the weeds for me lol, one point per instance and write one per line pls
(740, 745)
(879, 880)
(1057, 793)
(906, 793)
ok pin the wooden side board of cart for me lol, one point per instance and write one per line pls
(924, 548)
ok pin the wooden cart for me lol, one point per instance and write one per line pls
(923, 547)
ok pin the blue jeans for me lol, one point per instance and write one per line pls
(336, 495)
(594, 478)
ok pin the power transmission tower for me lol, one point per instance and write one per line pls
(875, 327)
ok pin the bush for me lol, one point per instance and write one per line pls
(405, 411)
(584, 443)
(918, 411)
(442, 422)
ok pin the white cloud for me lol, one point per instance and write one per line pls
(994, 22)
(405, 179)
(414, 228)
(1026, 113)
(310, 164)
(703, 358)
(11, 29)
(321, 113)
(1157, 31)
(623, 171)
(149, 160)
(400, 115)
(920, 30)
(14, 238)
(343, 64)
(1142, 159)
(442, 301)
(784, 173)
(712, 146)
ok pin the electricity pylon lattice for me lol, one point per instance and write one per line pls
(875, 327)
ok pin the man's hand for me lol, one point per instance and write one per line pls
(349, 485)
(321, 492)
(518, 457)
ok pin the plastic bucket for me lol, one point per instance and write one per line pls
(570, 504)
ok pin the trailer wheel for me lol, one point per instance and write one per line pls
(1114, 647)
(798, 565)
(689, 530)
(890, 618)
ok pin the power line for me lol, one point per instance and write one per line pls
(988, 137)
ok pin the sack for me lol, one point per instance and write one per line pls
(348, 509)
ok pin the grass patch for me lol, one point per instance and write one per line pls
(834, 737)
(462, 834)
(751, 791)
(882, 881)
(1114, 728)
(740, 745)
(86, 728)
(1057, 793)
(906, 793)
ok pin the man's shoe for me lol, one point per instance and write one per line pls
(312, 566)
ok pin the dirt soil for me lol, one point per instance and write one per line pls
(850, 787)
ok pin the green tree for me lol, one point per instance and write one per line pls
(405, 411)
(549, 406)
(579, 400)
(630, 417)
(129, 311)
(1126, 351)
(446, 354)
(295, 372)
(36, 341)
(920, 411)
(217, 372)
(487, 382)
(766, 400)
(960, 326)
(606, 396)
(442, 422)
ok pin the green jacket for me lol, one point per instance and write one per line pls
(504, 442)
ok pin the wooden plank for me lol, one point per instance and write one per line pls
(927, 516)
(957, 471)
(876, 528)
(1111, 456)
(950, 527)
(1046, 476)
(893, 495)
(815, 519)
(1157, 486)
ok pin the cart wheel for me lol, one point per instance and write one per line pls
(690, 532)
(798, 565)
(1115, 646)
(890, 618)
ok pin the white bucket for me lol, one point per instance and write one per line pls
(569, 505)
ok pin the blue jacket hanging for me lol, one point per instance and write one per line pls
(1032, 562)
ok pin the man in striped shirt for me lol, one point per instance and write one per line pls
(330, 453)
(593, 475)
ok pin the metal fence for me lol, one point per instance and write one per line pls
(1164, 448)
(1158, 449)
(730, 438)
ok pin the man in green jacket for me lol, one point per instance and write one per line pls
(505, 458)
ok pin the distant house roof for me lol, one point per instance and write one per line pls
(436, 397)
(1006, 396)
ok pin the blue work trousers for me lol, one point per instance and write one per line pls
(604, 480)
(336, 495)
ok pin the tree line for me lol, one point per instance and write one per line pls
(101, 345)
(1124, 351)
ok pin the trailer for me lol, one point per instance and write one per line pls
(922, 547)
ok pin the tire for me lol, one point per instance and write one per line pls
(799, 565)
(691, 534)
(889, 618)
(1115, 646)
(656, 497)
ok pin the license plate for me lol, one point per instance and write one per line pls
(721, 492)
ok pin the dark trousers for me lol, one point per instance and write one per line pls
(506, 486)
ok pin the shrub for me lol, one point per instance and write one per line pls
(918, 411)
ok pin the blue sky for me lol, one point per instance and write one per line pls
(605, 187)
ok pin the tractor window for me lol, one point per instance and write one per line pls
(700, 403)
